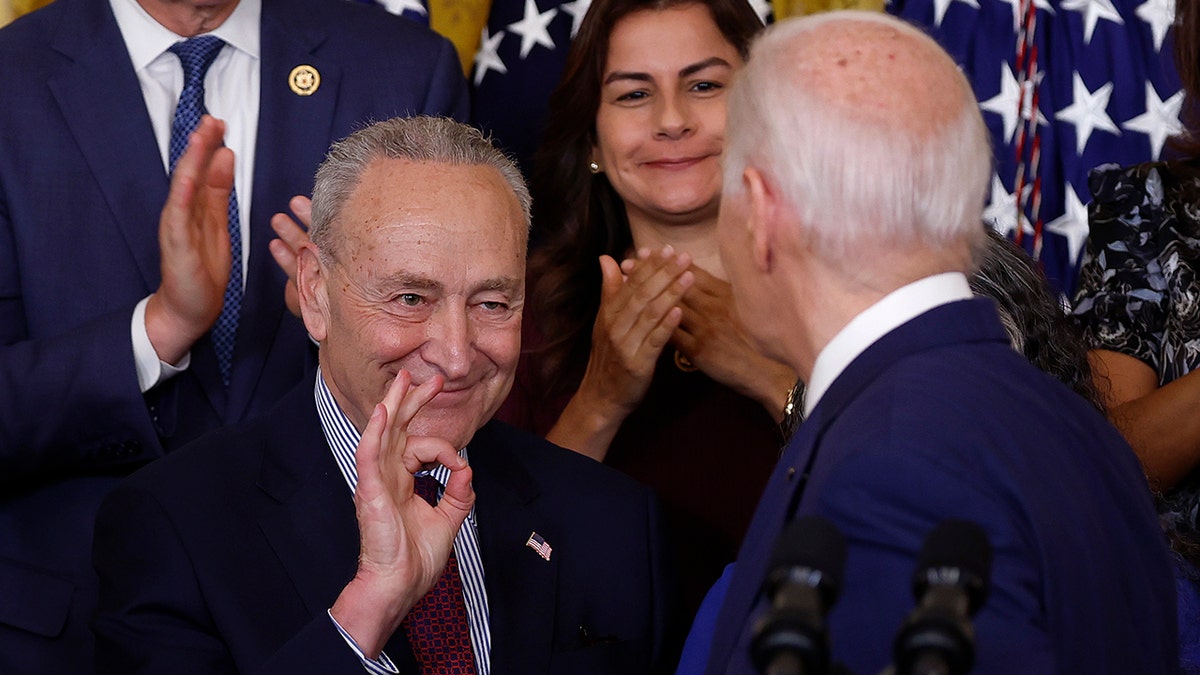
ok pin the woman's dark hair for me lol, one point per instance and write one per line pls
(1187, 64)
(1036, 322)
(577, 215)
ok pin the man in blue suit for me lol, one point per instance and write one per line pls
(95, 378)
(240, 553)
(856, 169)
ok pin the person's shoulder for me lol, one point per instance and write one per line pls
(1142, 189)
(33, 31)
(352, 23)
(556, 468)
(213, 467)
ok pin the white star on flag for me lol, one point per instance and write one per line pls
(534, 27)
(1087, 112)
(1011, 103)
(398, 6)
(1001, 212)
(762, 8)
(577, 9)
(488, 56)
(1072, 224)
(1093, 10)
(940, 7)
(1160, 120)
(1160, 14)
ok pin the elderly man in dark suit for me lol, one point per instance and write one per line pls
(855, 173)
(111, 352)
(240, 553)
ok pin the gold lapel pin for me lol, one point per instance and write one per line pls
(304, 80)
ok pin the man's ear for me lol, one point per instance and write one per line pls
(762, 211)
(311, 285)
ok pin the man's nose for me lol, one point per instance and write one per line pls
(448, 347)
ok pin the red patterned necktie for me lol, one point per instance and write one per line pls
(437, 625)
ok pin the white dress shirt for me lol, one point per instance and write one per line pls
(231, 93)
(343, 440)
(893, 310)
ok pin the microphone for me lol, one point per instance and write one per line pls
(803, 584)
(950, 585)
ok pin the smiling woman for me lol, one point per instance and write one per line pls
(641, 363)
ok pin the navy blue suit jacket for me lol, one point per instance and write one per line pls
(942, 419)
(224, 557)
(81, 186)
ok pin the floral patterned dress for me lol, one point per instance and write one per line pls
(1139, 291)
(1140, 295)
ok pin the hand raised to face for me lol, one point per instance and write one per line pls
(404, 542)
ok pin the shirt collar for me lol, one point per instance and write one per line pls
(343, 437)
(881, 318)
(146, 39)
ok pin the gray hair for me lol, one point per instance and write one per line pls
(850, 180)
(424, 139)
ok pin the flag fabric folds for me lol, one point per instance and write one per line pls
(1064, 85)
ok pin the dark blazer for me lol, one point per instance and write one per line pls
(941, 419)
(225, 556)
(81, 186)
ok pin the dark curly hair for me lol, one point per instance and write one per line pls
(1037, 324)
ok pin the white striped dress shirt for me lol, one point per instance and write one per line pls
(343, 440)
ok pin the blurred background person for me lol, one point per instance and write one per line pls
(640, 363)
(1139, 307)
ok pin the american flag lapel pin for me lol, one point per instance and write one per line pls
(538, 544)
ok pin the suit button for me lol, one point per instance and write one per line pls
(791, 472)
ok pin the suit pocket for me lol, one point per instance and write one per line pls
(34, 600)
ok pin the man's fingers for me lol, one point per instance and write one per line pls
(302, 207)
(422, 452)
(459, 495)
(366, 457)
(417, 398)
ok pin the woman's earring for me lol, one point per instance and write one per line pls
(593, 166)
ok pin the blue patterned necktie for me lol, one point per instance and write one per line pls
(196, 55)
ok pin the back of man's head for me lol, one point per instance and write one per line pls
(869, 132)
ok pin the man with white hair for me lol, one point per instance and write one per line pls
(856, 168)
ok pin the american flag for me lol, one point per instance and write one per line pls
(538, 544)
(520, 58)
(1064, 85)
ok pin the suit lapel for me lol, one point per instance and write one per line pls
(285, 156)
(101, 101)
(308, 518)
(521, 586)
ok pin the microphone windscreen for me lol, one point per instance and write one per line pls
(962, 548)
(814, 543)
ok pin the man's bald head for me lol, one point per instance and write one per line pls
(869, 131)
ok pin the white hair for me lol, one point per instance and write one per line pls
(425, 139)
(852, 181)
